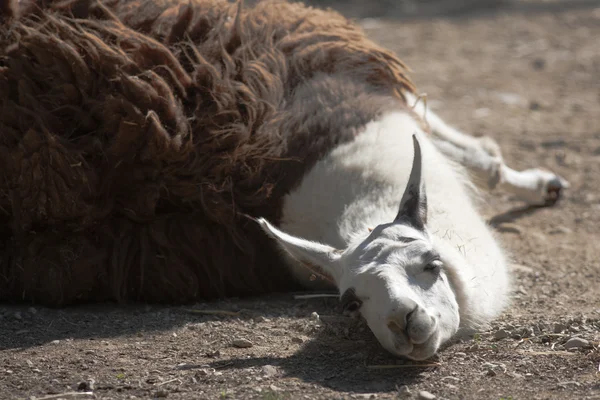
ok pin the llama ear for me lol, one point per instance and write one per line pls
(316, 254)
(413, 206)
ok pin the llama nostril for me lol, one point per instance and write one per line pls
(409, 315)
(395, 327)
(420, 325)
(399, 322)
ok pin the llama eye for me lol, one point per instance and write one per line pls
(434, 266)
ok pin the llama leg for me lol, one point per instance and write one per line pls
(483, 157)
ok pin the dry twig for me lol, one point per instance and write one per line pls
(169, 381)
(547, 353)
(66, 395)
(314, 296)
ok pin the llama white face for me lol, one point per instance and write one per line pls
(395, 278)
(397, 281)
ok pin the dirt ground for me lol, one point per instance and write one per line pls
(526, 73)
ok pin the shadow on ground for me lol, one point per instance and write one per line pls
(313, 364)
(512, 215)
(22, 326)
(339, 340)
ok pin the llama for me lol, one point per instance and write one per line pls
(405, 245)
(174, 152)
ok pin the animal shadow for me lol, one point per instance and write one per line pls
(512, 215)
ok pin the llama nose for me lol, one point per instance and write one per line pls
(416, 324)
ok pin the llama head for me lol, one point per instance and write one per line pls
(394, 277)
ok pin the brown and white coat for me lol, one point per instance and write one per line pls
(137, 137)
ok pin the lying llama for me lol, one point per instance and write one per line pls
(136, 138)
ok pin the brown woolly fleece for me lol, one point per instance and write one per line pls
(135, 134)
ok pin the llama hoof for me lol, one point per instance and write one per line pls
(550, 188)
(554, 190)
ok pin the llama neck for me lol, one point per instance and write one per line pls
(357, 186)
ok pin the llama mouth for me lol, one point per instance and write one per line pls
(420, 349)
(416, 351)
(422, 352)
(428, 349)
(402, 348)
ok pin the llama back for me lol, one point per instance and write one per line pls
(134, 137)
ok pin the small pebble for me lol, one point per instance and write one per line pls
(242, 343)
(55, 342)
(213, 354)
(527, 332)
(18, 315)
(538, 64)
(451, 378)
(489, 365)
(86, 386)
(516, 375)
(501, 334)
(404, 391)
(32, 310)
(315, 317)
(269, 370)
(205, 371)
(298, 339)
(425, 395)
(510, 98)
(194, 327)
(576, 343)
(534, 105)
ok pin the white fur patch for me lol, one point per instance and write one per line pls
(359, 186)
